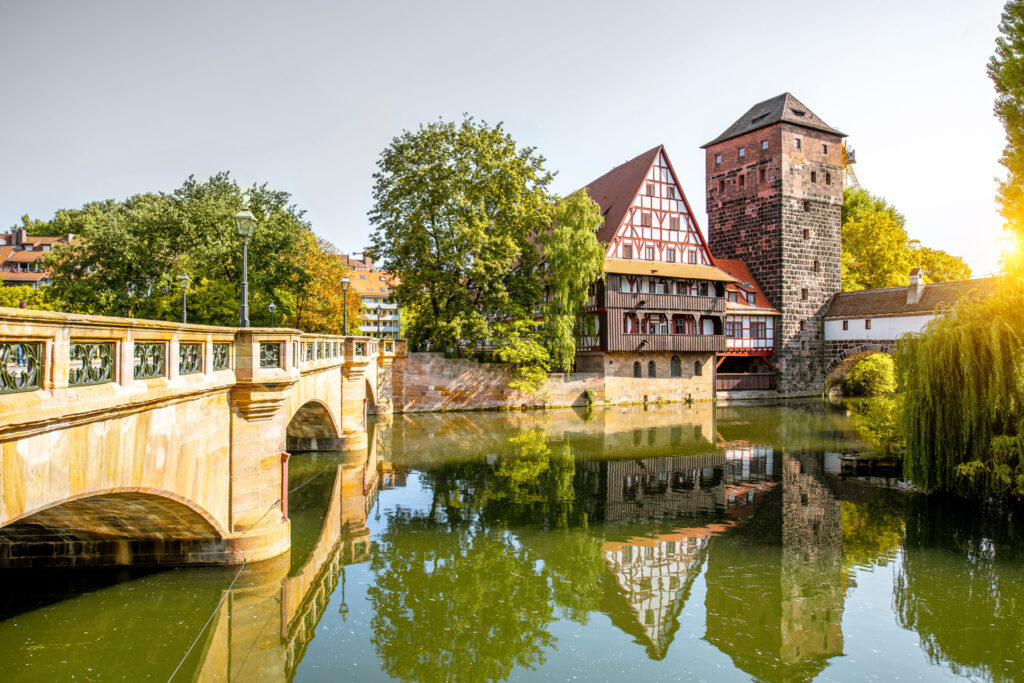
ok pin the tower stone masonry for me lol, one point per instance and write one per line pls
(774, 199)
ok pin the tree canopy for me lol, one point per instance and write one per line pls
(1006, 69)
(878, 253)
(463, 218)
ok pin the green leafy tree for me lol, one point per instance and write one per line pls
(574, 258)
(455, 208)
(519, 344)
(14, 297)
(872, 376)
(1006, 69)
(938, 266)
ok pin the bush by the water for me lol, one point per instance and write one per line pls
(873, 376)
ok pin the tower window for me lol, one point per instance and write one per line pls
(627, 251)
(846, 324)
(817, 266)
(718, 158)
(739, 180)
(814, 176)
(743, 152)
(828, 178)
(698, 369)
(867, 324)
(649, 253)
(762, 175)
(803, 324)
(636, 368)
(721, 185)
(645, 219)
(803, 294)
(673, 222)
(670, 255)
(650, 189)
(807, 234)
(764, 144)
(824, 149)
(650, 368)
(796, 142)
(807, 206)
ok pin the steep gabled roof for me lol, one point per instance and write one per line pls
(784, 108)
(615, 190)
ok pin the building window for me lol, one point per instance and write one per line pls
(807, 234)
(803, 324)
(814, 176)
(763, 175)
(817, 266)
(751, 298)
(739, 180)
(650, 368)
(803, 294)
(846, 325)
(828, 178)
(649, 253)
(670, 192)
(796, 142)
(673, 222)
(627, 250)
(733, 329)
(676, 367)
(764, 144)
(650, 189)
(718, 158)
(636, 369)
(867, 324)
(759, 330)
(743, 152)
(807, 206)
(702, 288)
(698, 369)
(733, 297)
(670, 255)
(692, 257)
(645, 219)
(721, 186)
(824, 149)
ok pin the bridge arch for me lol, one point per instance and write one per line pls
(845, 358)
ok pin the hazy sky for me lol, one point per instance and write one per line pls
(107, 99)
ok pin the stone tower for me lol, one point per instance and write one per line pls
(774, 199)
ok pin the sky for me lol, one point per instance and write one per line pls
(107, 99)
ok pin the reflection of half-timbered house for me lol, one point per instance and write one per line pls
(659, 311)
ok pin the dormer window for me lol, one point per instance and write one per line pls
(751, 298)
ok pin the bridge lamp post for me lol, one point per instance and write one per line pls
(272, 307)
(245, 223)
(184, 281)
(345, 283)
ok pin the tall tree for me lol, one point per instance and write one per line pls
(1006, 69)
(320, 303)
(455, 207)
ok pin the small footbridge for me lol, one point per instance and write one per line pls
(134, 441)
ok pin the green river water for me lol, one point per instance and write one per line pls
(667, 543)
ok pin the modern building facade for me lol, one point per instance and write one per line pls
(21, 258)
(381, 317)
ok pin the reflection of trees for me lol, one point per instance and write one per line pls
(460, 603)
(961, 588)
(872, 532)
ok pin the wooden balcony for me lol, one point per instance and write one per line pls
(745, 381)
(663, 302)
(620, 341)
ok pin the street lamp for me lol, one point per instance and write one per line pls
(272, 307)
(184, 281)
(345, 282)
(245, 222)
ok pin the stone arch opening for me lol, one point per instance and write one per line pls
(312, 428)
(844, 361)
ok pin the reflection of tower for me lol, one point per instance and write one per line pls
(776, 588)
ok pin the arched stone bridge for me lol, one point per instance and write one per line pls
(137, 441)
(842, 355)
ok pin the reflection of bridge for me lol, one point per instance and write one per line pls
(141, 441)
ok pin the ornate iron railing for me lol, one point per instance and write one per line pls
(309, 351)
(150, 359)
(360, 348)
(19, 366)
(91, 363)
(319, 350)
(190, 359)
(270, 354)
(221, 356)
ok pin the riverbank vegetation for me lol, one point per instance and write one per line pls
(127, 255)
(484, 255)
(871, 376)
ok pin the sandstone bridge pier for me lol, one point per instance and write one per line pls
(128, 441)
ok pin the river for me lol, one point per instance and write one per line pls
(664, 543)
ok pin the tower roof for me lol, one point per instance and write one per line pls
(782, 108)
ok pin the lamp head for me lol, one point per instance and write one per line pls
(245, 222)
(184, 280)
(345, 283)
(272, 307)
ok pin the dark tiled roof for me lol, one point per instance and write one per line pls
(615, 190)
(869, 303)
(784, 108)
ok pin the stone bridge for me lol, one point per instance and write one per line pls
(842, 355)
(134, 441)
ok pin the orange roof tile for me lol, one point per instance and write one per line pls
(744, 283)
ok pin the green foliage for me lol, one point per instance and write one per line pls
(38, 299)
(879, 420)
(519, 345)
(872, 376)
(872, 532)
(574, 259)
(876, 251)
(1006, 69)
(455, 209)
(964, 387)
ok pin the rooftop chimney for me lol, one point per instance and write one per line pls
(18, 237)
(916, 288)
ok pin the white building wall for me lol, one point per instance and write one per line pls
(883, 329)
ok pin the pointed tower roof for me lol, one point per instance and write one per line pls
(781, 108)
(615, 190)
